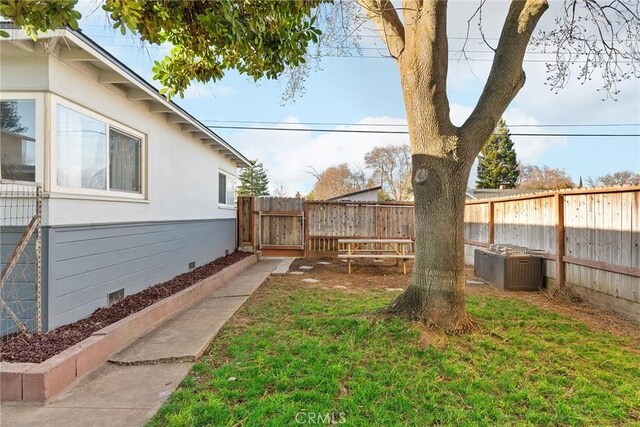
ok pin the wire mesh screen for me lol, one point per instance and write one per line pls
(20, 257)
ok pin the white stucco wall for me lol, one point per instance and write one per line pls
(19, 71)
(182, 172)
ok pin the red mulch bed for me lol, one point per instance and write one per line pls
(36, 348)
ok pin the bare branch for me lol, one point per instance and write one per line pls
(385, 17)
(478, 13)
(598, 35)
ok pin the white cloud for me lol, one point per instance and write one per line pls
(530, 148)
(288, 155)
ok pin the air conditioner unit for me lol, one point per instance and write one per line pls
(511, 272)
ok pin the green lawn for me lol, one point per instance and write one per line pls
(298, 351)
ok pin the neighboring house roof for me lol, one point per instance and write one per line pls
(492, 193)
(355, 193)
(77, 47)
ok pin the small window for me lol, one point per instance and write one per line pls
(222, 189)
(17, 140)
(226, 189)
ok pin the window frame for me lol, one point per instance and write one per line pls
(39, 99)
(109, 123)
(233, 178)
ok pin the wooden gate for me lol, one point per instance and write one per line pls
(274, 225)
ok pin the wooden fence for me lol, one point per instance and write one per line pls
(597, 233)
(329, 221)
(272, 224)
(591, 239)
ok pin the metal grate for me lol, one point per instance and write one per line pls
(115, 296)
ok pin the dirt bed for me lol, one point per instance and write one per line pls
(36, 348)
(367, 275)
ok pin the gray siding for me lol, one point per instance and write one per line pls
(20, 290)
(85, 263)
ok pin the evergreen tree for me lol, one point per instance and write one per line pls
(10, 117)
(497, 162)
(254, 181)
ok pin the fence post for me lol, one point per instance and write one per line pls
(239, 222)
(39, 261)
(560, 270)
(378, 221)
(305, 237)
(252, 221)
(491, 223)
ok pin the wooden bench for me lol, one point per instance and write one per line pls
(397, 249)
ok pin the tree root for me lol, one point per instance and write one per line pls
(415, 310)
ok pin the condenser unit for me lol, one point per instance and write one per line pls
(509, 271)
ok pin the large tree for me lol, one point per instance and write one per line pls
(336, 180)
(543, 177)
(266, 38)
(497, 162)
(254, 181)
(391, 166)
(615, 179)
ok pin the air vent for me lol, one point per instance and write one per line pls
(115, 296)
(192, 265)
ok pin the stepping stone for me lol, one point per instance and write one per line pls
(309, 280)
(324, 263)
(474, 282)
(340, 287)
(394, 289)
(378, 260)
(305, 267)
(343, 260)
(283, 267)
(296, 272)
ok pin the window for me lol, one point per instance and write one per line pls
(81, 150)
(226, 189)
(124, 162)
(17, 140)
(93, 154)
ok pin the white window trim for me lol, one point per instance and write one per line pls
(38, 97)
(225, 205)
(90, 192)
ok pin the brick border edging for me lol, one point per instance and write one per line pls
(40, 382)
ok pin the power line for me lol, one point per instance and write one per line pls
(399, 132)
(387, 57)
(405, 125)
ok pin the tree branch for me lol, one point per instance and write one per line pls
(506, 77)
(386, 19)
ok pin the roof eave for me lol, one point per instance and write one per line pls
(147, 91)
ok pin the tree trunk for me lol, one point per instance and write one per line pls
(442, 154)
(436, 293)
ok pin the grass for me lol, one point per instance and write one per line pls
(297, 351)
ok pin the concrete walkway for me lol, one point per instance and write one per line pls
(129, 389)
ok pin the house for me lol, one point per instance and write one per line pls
(492, 193)
(366, 195)
(135, 189)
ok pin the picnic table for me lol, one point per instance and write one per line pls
(398, 249)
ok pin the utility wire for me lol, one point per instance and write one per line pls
(388, 57)
(400, 132)
(405, 125)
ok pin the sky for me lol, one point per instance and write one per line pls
(364, 89)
